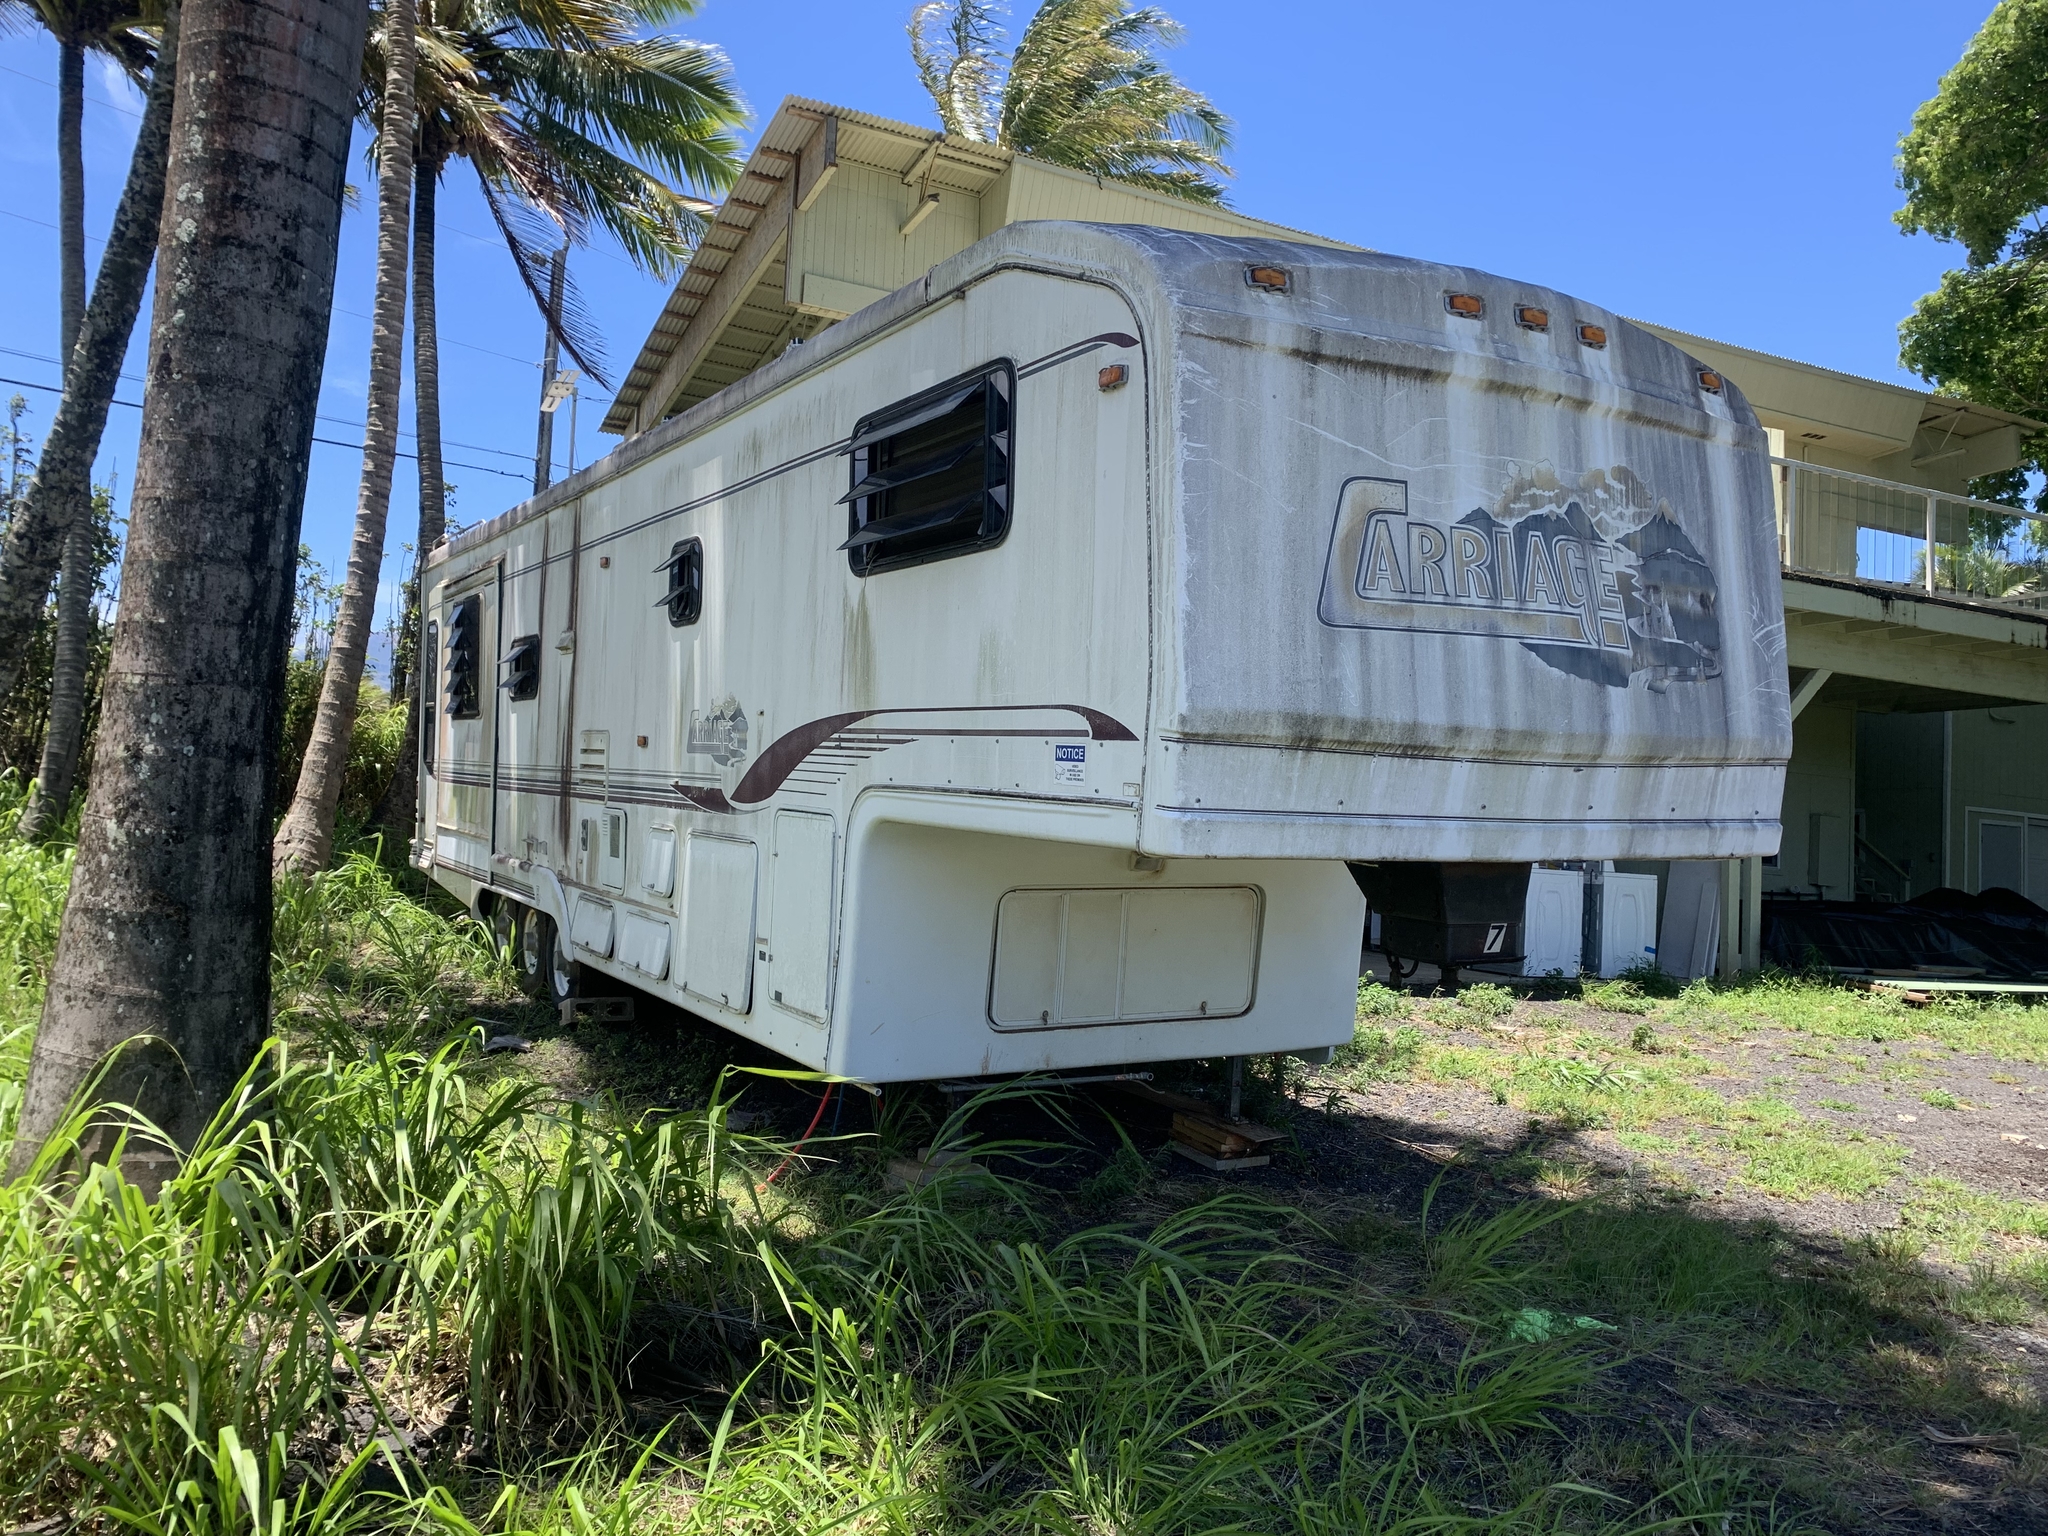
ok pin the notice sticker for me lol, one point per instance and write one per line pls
(1070, 763)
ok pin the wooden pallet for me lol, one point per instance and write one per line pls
(1222, 1145)
(1205, 1137)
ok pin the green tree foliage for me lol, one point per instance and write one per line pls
(575, 113)
(1083, 89)
(1974, 168)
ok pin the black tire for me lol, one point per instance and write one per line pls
(502, 923)
(544, 971)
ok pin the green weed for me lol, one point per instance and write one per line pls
(1375, 1054)
(1377, 1001)
(1487, 1000)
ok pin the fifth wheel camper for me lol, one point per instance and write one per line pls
(1014, 676)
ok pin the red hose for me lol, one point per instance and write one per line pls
(823, 1099)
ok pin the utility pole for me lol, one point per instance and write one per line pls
(544, 448)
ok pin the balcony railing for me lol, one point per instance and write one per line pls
(1834, 523)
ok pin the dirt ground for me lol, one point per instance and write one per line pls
(1889, 1169)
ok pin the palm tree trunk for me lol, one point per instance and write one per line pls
(397, 812)
(165, 943)
(39, 530)
(305, 839)
(51, 796)
(46, 807)
(70, 191)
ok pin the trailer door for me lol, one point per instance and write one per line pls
(466, 752)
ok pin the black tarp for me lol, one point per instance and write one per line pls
(1997, 932)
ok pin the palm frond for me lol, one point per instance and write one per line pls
(957, 46)
(1085, 91)
(596, 185)
(533, 241)
(511, 84)
(122, 30)
(669, 102)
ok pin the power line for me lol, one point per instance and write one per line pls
(331, 442)
(339, 421)
(353, 314)
(39, 80)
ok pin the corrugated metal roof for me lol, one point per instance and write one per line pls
(939, 163)
(1952, 413)
(959, 165)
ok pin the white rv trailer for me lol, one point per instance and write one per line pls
(1001, 680)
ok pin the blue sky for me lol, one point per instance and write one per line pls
(1723, 169)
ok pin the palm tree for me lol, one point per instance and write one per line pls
(59, 518)
(1083, 89)
(305, 839)
(561, 110)
(164, 952)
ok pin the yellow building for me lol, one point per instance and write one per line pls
(1920, 752)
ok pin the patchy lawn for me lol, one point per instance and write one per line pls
(1732, 1262)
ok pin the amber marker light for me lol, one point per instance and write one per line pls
(1271, 279)
(1470, 305)
(1530, 318)
(1710, 381)
(1115, 376)
(1593, 335)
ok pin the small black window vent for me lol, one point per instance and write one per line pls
(522, 669)
(931, 475)
(465, 702)
(684, 598)
(430, 692)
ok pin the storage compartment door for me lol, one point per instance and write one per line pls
(590, 926)
(718, 920)
(799, 937)
(1628, 922)
(1068, 958)
(644, 944)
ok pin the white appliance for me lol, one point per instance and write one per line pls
(1553, 922)
(1628, 921)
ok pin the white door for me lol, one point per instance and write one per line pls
(1628, 922)
(718, 919)
(465, 757)
(1553, 922)
(799, 937)
(2002, 855)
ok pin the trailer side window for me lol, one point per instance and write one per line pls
(522, 669)
(684, 598)
(464, 700)
(931, 474)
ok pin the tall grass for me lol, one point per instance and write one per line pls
(398, 1286)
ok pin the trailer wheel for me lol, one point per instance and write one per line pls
(544, 971)
(502, 924)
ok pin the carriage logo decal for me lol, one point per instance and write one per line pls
(1594, 577)
(720, 735)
